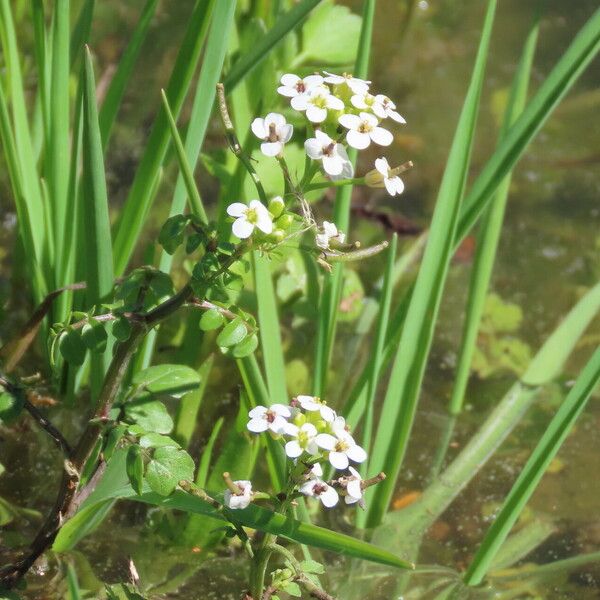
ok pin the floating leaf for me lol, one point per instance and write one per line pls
(168, 467)
(233, 333)
(171, 380)
(211, 319)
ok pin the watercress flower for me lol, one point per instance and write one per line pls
(292, 85)
(358, 86)
(247, 217)
(327, 232)
(304, 440)
(317, 488)
(241, 500)
(317, 103)
(330, 153)
(384, 176)
(363, 129)
(273, 418)
(274, 131)
(381, 106)
(354, 491)
(342, 448)
(314, 403)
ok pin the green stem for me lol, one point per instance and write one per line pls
(338, 183)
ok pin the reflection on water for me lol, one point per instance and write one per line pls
(549, 252)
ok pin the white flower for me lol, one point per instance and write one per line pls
(275, 132)
(358, 86)
(238, 501)
(381, 105)
(341, 447)
(327, 232)
(313, 403)
(255, 214)
(354, 491)
(384, 175)
(272, 418)
(292, 85)
(304, 440)
(319, 489)
(316, 103)
(325, 149)
(363, 129)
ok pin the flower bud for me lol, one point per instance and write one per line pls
(374, 179)
(285, 221)
(277, 236)
(276, 206)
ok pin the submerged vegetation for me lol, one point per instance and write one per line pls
(134, 311)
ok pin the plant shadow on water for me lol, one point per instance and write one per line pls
(549, 254)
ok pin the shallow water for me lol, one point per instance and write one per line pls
(550, 252)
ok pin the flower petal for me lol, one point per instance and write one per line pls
(353, 488)
(390, 186)
(276, 119)
(257, 425)
(338, 460)
(242, 228)
(289, 79)
(300, 102)
(280, 409)
(333, 165)
(264, 223)
(399, 184)
(327, 413)
(311, 81)
(237, 209)
(278, 425)
(358, 140)
(257, 411)
(288, 92)
(396, 116)
(293, 449)
(314, 148)
(382, 136)
(315, 114)
(326, 441)
(323, 138)
(334, 103)
(259, 128)
(357, 454)
(317, 470)
(358, 101)
(382, 165)
(349, 121)
(309, 429)
(284, 133)
(271, 148)
(329, 497)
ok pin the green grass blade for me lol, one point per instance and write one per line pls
(332, 286)
(501, 421)
(114, 94)
(282, 27)
(189, 407)
(405, 381)
(73, 584)
(534, 469)
(139, 199)
(571, 65)
(196, 206)
(25, 157)
(58, 144)
(81, 32)
(488, 235)
(207, 451)
(41, 59)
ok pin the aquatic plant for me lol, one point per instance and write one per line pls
(99, 322)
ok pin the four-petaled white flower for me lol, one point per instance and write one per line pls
(255, 214)
(381, 105)
(332, 154)
(317, 488)
(363, 129)
(274, 131)
(304, 440)
(384, 176)
(292, 85)
(272, 418)
(358, 86)
(314, 403)
(354, 491)
(242, 500)
(342, 448)
(326, 233)
(316, 103)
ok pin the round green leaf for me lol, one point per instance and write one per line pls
(150, 415)
(168, 467)
(135, 468)
(94, 336)
(171, 380)
(233, 333)
(72, 347)
(211, 319)
(246, 347)
(121, 329)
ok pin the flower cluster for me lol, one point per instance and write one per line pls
(313, 433)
